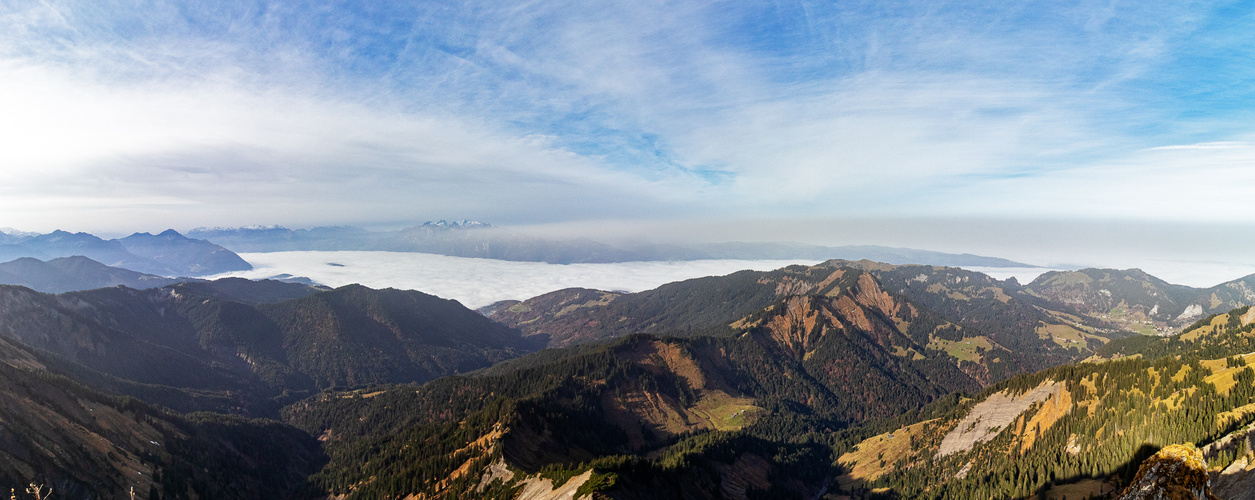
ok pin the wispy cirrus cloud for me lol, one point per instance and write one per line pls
(304, 113)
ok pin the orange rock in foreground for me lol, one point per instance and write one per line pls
(1177, 472)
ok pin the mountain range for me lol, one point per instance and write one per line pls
(68, 274)
(996, 326)
(1138, 301)
(166, 254)
(846, 379)
(236, 345)
(706, 417)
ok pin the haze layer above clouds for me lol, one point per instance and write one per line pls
(123, 116)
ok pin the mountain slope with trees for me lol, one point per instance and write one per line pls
(223, 346)
(669, 417)
(68, 274)
(1137, 301)
(1080, 428)
(84, 444)
(988, 315)
(843, 379)
(1076, 430)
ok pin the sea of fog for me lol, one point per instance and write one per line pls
(479, 282)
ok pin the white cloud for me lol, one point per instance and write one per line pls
(480, 282)
(1200, 182)
(877, 137)
(225, 148)
(244, 113)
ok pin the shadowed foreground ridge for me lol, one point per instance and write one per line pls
(1177, 472)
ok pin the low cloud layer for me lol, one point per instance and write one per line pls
(480, 282)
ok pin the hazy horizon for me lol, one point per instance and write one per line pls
(480, 282)
(1183, 253)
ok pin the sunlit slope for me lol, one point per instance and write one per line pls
(1086, 425)
(651, 407)
(1136, 301)
(991, 323)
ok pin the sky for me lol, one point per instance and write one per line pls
(837, 119)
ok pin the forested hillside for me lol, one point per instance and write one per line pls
(987, 316)
(248, 347)
(845, 379)
(84, 444)
(633, 419)
(1079, 429)
(655, 412)
(1137, 301)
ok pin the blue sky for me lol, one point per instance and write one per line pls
(132, 115)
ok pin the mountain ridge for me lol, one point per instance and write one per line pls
(1139, 301)
(167, 254)
(848, 378)
(74, 273)
(989, 316)
(84, 444)
(277, 340)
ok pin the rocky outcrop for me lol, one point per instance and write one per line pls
(994, 414)
(1191, 312)
(537, 488)
(1177, 472)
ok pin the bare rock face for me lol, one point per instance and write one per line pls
(1177, 472)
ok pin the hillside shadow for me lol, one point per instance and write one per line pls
(1124, 475)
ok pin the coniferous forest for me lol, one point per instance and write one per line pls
(841, 379)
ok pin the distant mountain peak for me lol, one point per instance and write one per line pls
(17, 232)
(74, 272)
(167, 234)
(237, 229)
(457, 224)
(60, 233)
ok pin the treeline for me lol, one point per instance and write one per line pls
(552, 412)
(89, 445)
(983, 306)
(1123, 411)
(555, 413)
